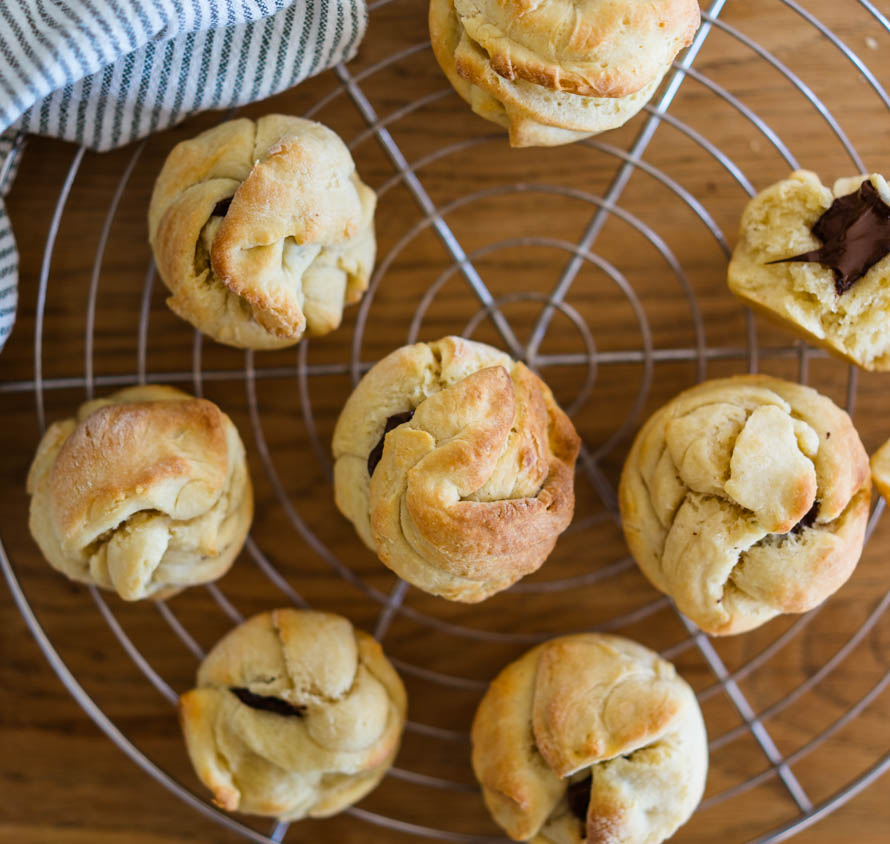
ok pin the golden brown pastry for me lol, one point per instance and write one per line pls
(880, 469)
(556, 71)
(590, 738)
(295, 713)
(262, 230)
(744, 498)
(456, 466)
(840, 298)
(143, 492)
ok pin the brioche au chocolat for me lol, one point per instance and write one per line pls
(855, 235)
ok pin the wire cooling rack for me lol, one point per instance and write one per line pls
(774, 700)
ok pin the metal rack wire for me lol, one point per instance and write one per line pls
(435, 218)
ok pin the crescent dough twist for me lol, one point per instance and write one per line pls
(744, 498)
(473, 483)
(262, 230)
(555, 71)
(590, 738)
(295, 713)
(144, 492)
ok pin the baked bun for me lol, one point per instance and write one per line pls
(808, 296)
(295, 713)
(144, 492)
(880, 469)
(744, 498)
(556, 71)
(456, 466)
(262, 230)
(590, 738)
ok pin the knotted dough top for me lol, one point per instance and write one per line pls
(295, 713)
(744, 498)
(595, 48)
(557, 71)
(470, 493)
(144, 492)
(590, 738)
(262, 230)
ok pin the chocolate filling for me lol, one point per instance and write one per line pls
(578, 796)
(267, 703)
(393, 422)
(808, 520)
(222, 207)
(855, 235)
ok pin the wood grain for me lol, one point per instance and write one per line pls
(64, 782)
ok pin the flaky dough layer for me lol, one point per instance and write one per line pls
(744, 498)
(471, 493)
(143, 492)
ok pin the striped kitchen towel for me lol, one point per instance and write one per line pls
(9, 258)
(105, 72)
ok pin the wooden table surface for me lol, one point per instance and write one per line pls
(64, 781)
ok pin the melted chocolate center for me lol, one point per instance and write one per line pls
(267, 703)
(855, 235)
(578, 796)
(393, 422)
(222, 207)
(808, 520)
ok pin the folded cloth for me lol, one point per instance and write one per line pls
(105, 72)
(9, 258)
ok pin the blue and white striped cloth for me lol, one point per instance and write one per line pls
(105, 72)
(9, 258)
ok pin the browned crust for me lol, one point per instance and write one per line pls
(514, 534)
(124, 450)
(145, 492)
(497, 541)
(609, 50)
(675, 21)
(472, 493)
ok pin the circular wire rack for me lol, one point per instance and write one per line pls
(729, 672)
